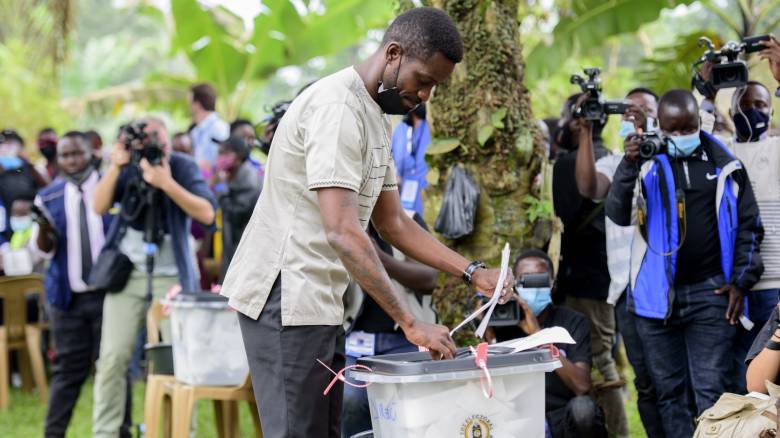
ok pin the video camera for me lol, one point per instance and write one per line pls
(141, 145)
(595, 107)
(728, 71)
(510, 313)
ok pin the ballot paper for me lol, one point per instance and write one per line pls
(491, 304)
(551, 335)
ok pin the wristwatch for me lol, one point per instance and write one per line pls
(473, 266)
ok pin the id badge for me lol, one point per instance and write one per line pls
(409, 193)
(359, 344)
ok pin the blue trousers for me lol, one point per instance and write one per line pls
(695, 344)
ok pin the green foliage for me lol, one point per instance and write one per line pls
(536, 208)
(442, 146)
(670, 66)
(281, 37)
(587, 25)
(28, 92)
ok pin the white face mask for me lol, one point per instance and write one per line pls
(21, 223)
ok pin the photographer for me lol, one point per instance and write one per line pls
(697, 256)
(751, 112)
(593, 181)
(583, 277)
(184, 195)
(570, 410)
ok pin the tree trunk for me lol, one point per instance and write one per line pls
(505, 159)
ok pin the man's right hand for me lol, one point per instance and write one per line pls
(631, 148)
(436, 338)
(120, 156)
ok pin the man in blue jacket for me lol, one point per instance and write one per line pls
(695, 255)
(70, 235)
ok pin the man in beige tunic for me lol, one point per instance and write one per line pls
(329, 172)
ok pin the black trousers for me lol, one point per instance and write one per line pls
(287, 380)
(76, 337)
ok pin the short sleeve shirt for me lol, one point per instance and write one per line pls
(333, 135)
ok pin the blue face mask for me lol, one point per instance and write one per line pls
(10, 162)
(538, 298)
(751, 124)
(683, 145)
(626, 128)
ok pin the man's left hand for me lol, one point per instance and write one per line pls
(734, 310)
(484, 281)
(157, 176)
(771, 53)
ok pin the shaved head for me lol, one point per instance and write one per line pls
(678, 113)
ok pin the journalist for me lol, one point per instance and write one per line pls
(569, 409)
(70, 235)
(751, 112)
(594, 178)
(695, 254)
(583, 275)
(184, 196)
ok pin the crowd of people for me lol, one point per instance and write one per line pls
(66, 214)
(676, 254)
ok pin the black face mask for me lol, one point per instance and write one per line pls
(390, 99)
(50, 153)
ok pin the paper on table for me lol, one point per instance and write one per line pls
(551, 335)
(493, 300)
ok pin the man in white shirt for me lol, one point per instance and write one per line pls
(329, 172)
(209, 129)
(751, 112)
(70, 235)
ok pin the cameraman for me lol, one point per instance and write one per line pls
(751, 111)
(185, 195)
(570, 411)
(697, 256)
(583, 277)
(594, 178)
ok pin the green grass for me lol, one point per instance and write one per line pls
(24, 418)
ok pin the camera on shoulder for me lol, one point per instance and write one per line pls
(595, 107)
(142, 145)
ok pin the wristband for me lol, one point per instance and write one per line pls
(773, 345)
(469, 271)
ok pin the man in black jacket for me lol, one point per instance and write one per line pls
(237, 193)
(696, 255)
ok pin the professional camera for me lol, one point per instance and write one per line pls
(141, 145)
(652, 144)
(728, 71)
(595, 107)
(510, 313)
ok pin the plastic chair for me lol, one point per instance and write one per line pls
(225, 399)
(18, 335)
(155, 400)
(168, 399)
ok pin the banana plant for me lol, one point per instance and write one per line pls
(281, 36)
